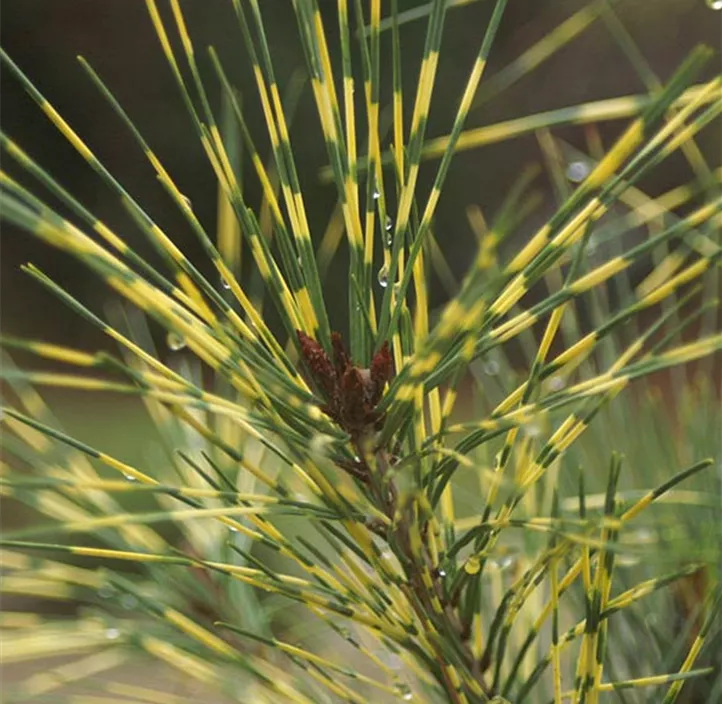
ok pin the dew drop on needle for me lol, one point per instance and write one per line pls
(532, 430)
(556, 383)
(106, 591)
(577, 171)
(175, 341)
(383, 277)
(128, 602)
(491, 367)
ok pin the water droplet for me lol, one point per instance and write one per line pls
(506, 562)
(556, 383)
(377, 194)
(130, 477)
(187, 201)
(106, 591)
(714, 4)
(128, 602)
(388, 224)
(491, 367)
(175, 341)
(577, 171)
(404, 691)
(532, 430)
(442, 573)
(383, 276)
(233, 529)
(112, 633)
(592, 245)
(225, 284)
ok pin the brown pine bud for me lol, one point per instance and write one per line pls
(354, 407)
(381, 372)
(322, 371)
(341, 359)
